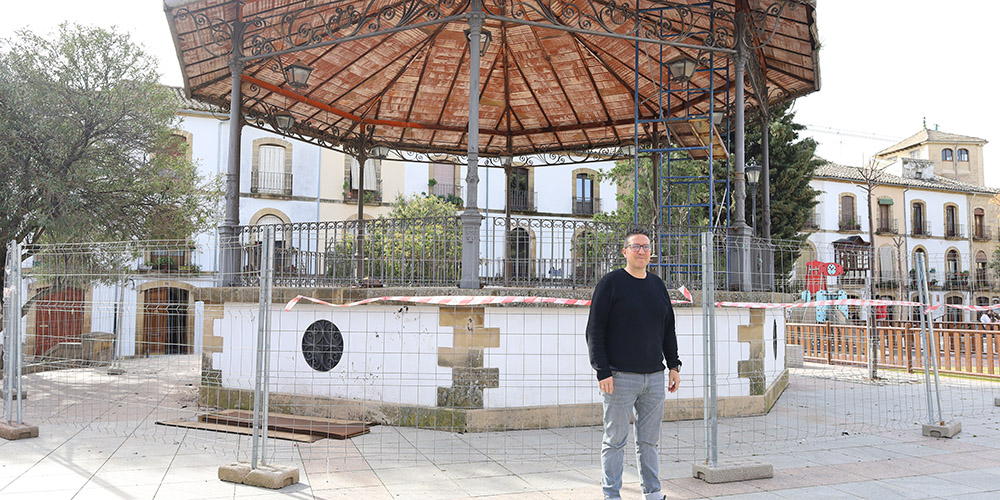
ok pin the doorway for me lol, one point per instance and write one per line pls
(165, 322)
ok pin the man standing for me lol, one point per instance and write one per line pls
(629, 334)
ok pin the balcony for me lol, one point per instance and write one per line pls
(982, 233)
(954, 230)
(271, 183)
(371, 196)
(982, 281)
(849, 225)
(813, 221)
(522, 200)
(887, 226)
(957, 281)
(448, 192)
(920, 228)
(586, 206)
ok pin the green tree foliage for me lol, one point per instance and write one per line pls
(86, 149)
(792, 165)
(88, 136)
(681, 192)
(419, 241)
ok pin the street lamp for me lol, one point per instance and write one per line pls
(485, 38)
(753, 177)
(379, 152)
(681, 69)
(284, 120)
(297, 75)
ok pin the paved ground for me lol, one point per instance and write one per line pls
(830, 436)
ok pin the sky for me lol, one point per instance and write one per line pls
(886, 66)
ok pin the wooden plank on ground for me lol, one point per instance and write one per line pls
(314, 426)
(235, 429)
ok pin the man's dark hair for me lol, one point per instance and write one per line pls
(634, 230)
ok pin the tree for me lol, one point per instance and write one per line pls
(792, 164)
(418, 241)
(86, 149)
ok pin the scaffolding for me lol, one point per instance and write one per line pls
(688, 156)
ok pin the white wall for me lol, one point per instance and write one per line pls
(390, 353)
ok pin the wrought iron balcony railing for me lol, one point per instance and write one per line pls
(887, 226)
(370, 195)
(954, 230)
(270, 183)
(849, 225)
(982, 233)
(586, 206)
(448, 192)
(522, 200)
(920, 228)
(813, 221)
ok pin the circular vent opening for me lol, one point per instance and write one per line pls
(322, 345)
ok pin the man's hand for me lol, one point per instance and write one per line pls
(675, 381)
(607, 385)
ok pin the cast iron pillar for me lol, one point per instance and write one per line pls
(229, 240)
(740, 233)
(471, 218)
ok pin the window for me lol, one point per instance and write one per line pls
(885, 222)
(272, 167)
(979, 229)
(520, 197)
(963, 154)
(848, 219)
(442, 181)
(951, 227)
(919, 223)
(373, 182)
(583, 204)
(946, 154)
(982, 278)
(952, 271)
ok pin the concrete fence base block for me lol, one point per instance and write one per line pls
(996, 401)
(945, 430)
(265, 476)
(13, 431)
(731, 472)
(24, 395)
(116, 371)
(794, 356)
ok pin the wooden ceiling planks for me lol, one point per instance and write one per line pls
(542, 89)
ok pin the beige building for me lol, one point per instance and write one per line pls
(958, 157)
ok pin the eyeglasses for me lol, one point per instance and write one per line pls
(635, 247)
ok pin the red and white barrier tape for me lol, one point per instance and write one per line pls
(467, 300)
(477, 300)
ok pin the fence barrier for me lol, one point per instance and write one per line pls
(139, 338)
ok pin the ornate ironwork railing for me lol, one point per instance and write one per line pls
(270, 182)
(586, 206)
(521, 252)
(887, 226)
(522, 200)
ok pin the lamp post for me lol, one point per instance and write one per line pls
(753, 177)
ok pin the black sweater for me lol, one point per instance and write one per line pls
(631, 325)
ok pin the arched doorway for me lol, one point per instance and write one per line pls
(58, 318)
(165, 322)
(954, 314)
(519, 250)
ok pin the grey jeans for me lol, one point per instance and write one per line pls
(638, 395)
